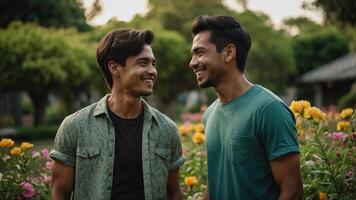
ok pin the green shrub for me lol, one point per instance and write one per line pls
(36, 133)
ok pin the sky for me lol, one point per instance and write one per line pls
(277, 9)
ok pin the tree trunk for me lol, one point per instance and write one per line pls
(39, 100)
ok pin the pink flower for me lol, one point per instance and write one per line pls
(36, 154)
(49, 165)
(47, 179)
(29, 190)
(349, 174)
(45, 153)
(338, 135)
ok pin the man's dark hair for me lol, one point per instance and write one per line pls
(118, 46)
(225, 30)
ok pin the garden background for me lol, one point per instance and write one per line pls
(48, 70)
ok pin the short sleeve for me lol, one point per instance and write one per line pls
(65, 143)
(278, 131)
(177, 158)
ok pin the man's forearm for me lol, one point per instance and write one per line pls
(175, 195)
(291, 194)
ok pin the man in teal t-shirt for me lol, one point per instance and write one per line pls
(251, 138)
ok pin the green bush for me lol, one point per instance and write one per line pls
(36, 133)
(349, 100)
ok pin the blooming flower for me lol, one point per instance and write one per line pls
(45, 154)
(199, 128)
(191, 180)
(183, 130)
(36, 154)
(323, 196)
(6, 142)
(47, 179)
(338, 135)
(49, 165)
(349, 174)
(5, 158)
(342, 126)
(314, 113)
(299, 106)
(346, 113)
(198, 138)
(29, 190)
(26, 145)
(15, 151)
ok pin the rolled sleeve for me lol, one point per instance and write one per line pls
(65, 143)
(68, 160)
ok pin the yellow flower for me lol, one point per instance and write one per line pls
(26, 145)
(342, 126)
(183, 130)
(323, 196)
(315, 113)
(15, 151)
(199, 128)
(6, 142)
(299, 106)
(300, 133)
(346, 113)
(198, 138)
(191, 180)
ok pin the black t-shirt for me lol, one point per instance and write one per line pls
(128, 174)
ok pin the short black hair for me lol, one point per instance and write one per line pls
(225, 30)
(118, 46)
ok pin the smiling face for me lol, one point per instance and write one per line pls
(138, 76)
(206, 62)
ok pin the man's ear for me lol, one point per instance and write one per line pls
(229, 52)
(114, 68)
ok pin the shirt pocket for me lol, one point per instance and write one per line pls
(238, 149)
(88, 152)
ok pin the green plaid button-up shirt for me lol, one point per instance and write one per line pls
(86, 141)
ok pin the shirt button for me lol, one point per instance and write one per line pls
(110, 173)
(110, 154)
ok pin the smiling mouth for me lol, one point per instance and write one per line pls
(199, 72)
(149, 81)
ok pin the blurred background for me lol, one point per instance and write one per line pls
(301, 49)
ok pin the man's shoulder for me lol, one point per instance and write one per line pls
(80, 116)
(265, 98)
(161, 118)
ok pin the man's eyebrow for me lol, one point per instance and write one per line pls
(195, 49)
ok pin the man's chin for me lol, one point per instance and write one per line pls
(147, 93)
(205, 84)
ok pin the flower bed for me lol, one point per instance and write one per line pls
(328, 162)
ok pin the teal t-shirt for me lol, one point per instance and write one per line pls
(242, 137)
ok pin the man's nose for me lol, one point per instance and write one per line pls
(193, 63)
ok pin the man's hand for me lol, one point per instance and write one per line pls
(62, 181)
(286, 173)
(173, 187)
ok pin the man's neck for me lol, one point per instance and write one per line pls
(232, 86)
(124, 105)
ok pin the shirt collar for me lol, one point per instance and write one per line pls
(102, 108)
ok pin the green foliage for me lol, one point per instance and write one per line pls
(37, 60)
(314, 49)
(336, 11)
(348, 100)
(270, 61)
(36, 133)
(172, 52)
(49, 13)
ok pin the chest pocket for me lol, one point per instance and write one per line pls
(88, 152)
(238, 149)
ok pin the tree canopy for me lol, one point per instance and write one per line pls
(38, 60)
